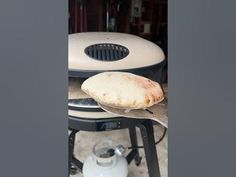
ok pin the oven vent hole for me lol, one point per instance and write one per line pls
(106, 52)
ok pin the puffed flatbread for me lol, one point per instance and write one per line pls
(123, 90)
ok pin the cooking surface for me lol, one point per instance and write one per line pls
(142, 53)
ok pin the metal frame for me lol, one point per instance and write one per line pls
(146, 127)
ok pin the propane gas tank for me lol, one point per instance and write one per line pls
(106, 161)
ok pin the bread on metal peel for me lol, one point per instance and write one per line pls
(123, 90)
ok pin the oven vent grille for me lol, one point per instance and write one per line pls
(106, 51)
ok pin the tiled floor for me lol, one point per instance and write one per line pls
(85, 141)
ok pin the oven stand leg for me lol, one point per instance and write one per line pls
(71, 168)
(147, 133)
(134, 143)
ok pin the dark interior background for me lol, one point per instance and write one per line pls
(144, 18)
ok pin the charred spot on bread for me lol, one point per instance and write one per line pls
(147, 101)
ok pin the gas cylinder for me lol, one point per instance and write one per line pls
(106, 161)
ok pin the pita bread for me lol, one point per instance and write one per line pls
(123, 90)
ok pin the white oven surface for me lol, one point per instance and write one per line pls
(146, 53)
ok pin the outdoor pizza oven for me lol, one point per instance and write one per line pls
(95, 52)
(91, 53)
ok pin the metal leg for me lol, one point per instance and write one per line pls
(150, 148)
(71, 144)
(134, 143)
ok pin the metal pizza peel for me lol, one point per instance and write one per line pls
(156, 113)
